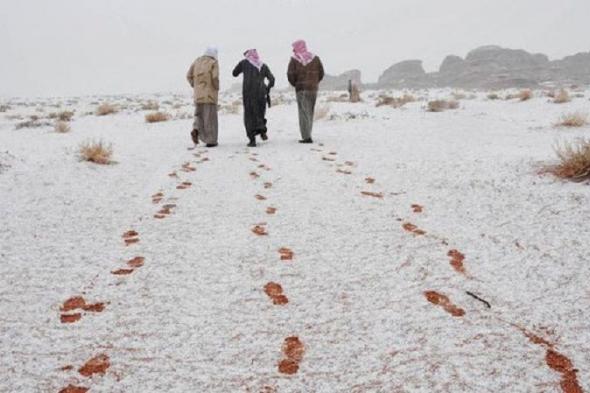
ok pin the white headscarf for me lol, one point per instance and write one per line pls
(211, 52)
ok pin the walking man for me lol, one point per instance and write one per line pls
(305, 74)
(203, 76)
(255, 93)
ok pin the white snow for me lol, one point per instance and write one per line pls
(195, 318)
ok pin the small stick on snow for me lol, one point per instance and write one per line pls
(488, 305)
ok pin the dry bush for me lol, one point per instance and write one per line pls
(96, 152)
(550, 94)
(62, 116)
(442, 105)
(156, 117)
(150, 105)
(62, 127)
(574, 119)
(321, 112)
(562, 97)
(339, 98)
(395, 102)
(574, 160)
(106, 109)
(4, 108)
(525, 95)
(493, 96)
(33, 122)
(458, 95)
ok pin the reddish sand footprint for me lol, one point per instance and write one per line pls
(131, 237)
(165, 211)
(275, 292)
(260, 197)
(184, 185)
(157, 198)
(271, 210)
(78, 303)
(409, 227)
(417, 208)
(133, 264)
(259, 230)
(293, 351)
(457, 260)
(443, 301)
(97, 365)
(557, 362)
(186, 167)
(286, 254)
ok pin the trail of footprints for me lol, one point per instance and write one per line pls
(76, 308)
(292, 347)
(554, 360)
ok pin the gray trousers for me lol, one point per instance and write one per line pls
(206, 122)
(306, 105)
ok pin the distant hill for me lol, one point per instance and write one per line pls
(490, 67)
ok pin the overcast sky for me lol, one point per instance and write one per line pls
(79, 47)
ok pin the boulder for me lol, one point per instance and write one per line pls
(404, 74)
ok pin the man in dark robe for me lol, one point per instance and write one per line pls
(254, 94)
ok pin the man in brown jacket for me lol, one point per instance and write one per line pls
(203, 76)
(305, 74)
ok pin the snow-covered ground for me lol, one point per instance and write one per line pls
(361, 289)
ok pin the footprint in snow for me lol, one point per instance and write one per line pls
(131, 237)
(78, 304)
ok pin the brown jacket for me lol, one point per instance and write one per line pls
(203, 76)
(305, 78)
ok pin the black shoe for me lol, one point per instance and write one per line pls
(252, 144)
(211, 144)
(308, 140)
(264, 136)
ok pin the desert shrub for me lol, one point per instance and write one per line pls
(106, 109)
(442, 105)
(4, 108)
(321, 112)
(574, 160)
(33, 122)
(150, 105)
(62, 116)
(156, 117)
(96, 152)
(493, 96)
(562, 97)
(574, 119)
(338, 98)
(396, 102)
(525, 95)
(458, 95)
(61, 126)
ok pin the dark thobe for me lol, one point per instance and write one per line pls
(254, 92)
